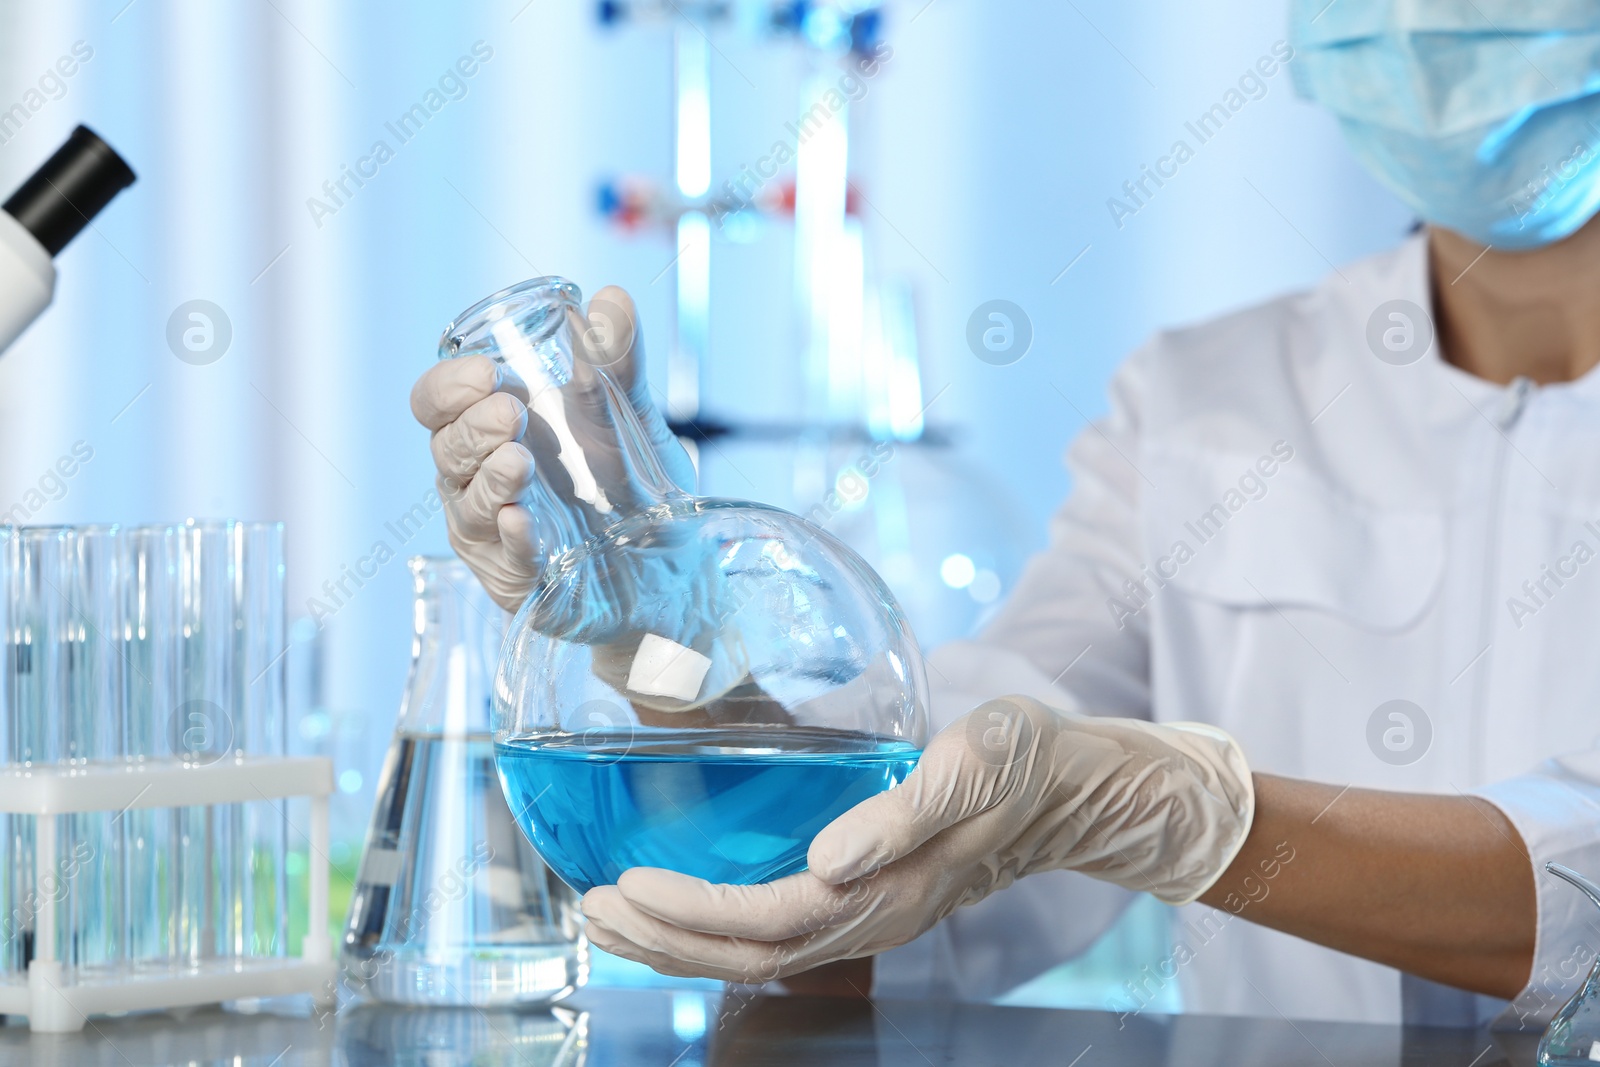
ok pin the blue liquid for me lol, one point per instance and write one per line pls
(737, 806)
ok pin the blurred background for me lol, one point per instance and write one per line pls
(887, 257)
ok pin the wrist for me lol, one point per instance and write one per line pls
(1224, 775)
(1158, 808)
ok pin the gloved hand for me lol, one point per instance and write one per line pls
(485, 454)
(1010, 789)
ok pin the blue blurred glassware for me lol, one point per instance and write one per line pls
(697, 684)
(1573, 1036)
(451, 905)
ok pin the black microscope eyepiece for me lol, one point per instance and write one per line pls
(58, 201)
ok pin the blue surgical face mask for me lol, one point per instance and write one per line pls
(1482, 115)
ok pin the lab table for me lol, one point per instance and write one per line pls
(684, 1028)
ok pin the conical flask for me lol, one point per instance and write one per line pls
(452, 905)
(694, 684)
(1573, 1036)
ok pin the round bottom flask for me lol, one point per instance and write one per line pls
(694, 684)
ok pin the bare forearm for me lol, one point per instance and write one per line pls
(1440, 886)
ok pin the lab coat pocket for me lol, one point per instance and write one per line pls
(1265, 532)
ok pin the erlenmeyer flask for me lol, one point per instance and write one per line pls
(1573, 1036)
(451, 905)
(695, 684)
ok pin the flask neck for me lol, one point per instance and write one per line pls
(456, 632)
(595, 465)
(595, 462)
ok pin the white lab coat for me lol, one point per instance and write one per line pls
(1383, 558)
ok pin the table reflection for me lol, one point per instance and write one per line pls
(611, 1028)
(374, 1035)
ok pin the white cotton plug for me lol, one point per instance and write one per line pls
(664, 668)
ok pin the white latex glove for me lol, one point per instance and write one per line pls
(1008, 790)
(485, 454)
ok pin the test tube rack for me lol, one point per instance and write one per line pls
(55, 998)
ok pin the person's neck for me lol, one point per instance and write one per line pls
(1507, 315)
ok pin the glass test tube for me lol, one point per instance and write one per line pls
(43, 658)
(46, 568)
(263, 891)
(94, 856)
(12, 958)
(151, 630)
(201, 732)
(67, 699)
(232, 899)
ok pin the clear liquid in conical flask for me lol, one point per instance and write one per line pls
(452, 905)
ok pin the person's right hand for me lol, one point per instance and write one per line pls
(485, 454)
(1011, 788)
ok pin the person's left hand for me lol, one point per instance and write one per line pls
(487, 440)
(1009, 789)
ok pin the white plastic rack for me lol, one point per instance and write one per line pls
(56, 998)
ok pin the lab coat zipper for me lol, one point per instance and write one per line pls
(1511, 409)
